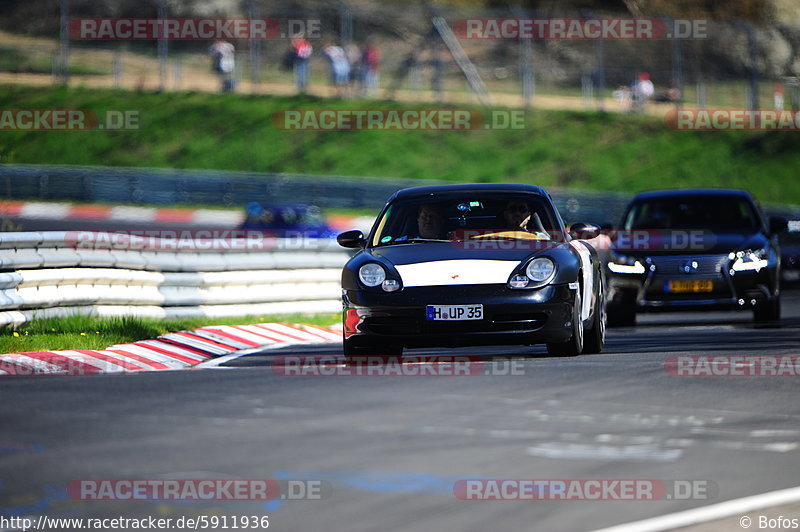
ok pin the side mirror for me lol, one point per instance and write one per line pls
(584, 231)
(352, 239)
(778, 224)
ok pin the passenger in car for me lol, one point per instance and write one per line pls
(517, 216)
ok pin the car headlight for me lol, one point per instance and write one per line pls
(625, 264)
(372, 274)
(540, 269)
(749, 260)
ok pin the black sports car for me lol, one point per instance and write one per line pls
(694, 249)
(466, 265)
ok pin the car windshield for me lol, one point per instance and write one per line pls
(717, 214)
(469, 217)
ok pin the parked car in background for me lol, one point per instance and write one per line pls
(694, 249)
(290, 220)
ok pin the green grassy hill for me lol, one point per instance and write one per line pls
(555, 148)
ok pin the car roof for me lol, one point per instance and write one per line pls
(469, 188)
(692, 192)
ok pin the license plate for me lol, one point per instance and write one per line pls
(694, 286)
(454, 312)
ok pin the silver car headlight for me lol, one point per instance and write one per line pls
(538, 272)
(372, 274)
(625, 264)
(540, 269)
(749, 260)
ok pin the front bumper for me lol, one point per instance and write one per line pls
(650, 292)
(510, 317)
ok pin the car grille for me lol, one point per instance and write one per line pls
(672, 266)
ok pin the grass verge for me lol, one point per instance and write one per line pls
(587, 150)
(84, 332)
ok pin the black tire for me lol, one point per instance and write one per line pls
(573, 346)
(769, 311)
(595, 337)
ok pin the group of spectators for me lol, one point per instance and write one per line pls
(350, 67)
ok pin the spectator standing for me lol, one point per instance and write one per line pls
(643, 91)
(370, 61)
(301, 52)
(340, 68)
(778, 95)
(353, 55)
(223, 57)
(624, 95)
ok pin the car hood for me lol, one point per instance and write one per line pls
(703, 244)
(458, 263)
(512, 250)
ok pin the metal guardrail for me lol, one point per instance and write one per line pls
(154, 186)
(126, 185)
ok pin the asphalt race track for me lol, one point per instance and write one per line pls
(390, 449)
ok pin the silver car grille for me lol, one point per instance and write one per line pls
(689, 265)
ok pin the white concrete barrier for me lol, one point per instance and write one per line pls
(45, 274)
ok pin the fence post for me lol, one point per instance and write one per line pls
(701, 94)
(752, 97)
(162, 45)
(116, 66)
(64, 43)
(587, 90)
(254, 49)
(345, 23)
(600, 67)
(677, 58)
(526, 66)
(177, 72)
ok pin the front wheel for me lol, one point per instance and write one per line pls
(573, 346)
(596, 336)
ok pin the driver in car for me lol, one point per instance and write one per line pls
(430, 224)
(430, 221)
